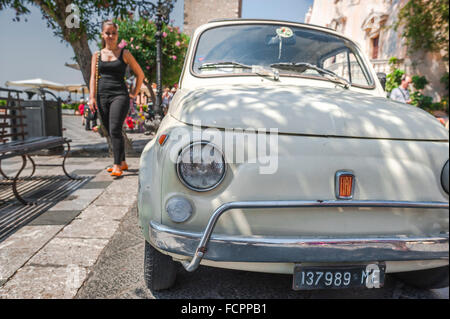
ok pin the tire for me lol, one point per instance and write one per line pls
(426, 279)
(160, 271)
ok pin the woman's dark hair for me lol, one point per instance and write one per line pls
(104, 23)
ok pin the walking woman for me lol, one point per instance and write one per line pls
(109, 94)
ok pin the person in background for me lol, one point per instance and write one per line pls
(401, 93)
(166, 96)
(81, 110)
(91, 117)
(85, 115)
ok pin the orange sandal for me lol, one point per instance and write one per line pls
(124, 168)
(117, 173)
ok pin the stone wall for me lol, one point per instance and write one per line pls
(198, 12)
(364, 20)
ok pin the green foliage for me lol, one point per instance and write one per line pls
(393, 61)
(2, 103)
(139, 36)
(91, 13)
(426, 25)
(423, 101)
(445, 100)
(393, 79)
(419, 82)
(444, 80)
(71, 106)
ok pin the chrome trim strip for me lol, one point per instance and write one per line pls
(293, 249)
(201, 248)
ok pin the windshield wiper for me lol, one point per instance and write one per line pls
(230, 64)
(257, 69)
(301, 67)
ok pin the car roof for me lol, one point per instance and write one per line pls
(271, 20)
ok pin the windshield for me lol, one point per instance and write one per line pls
(221, 50)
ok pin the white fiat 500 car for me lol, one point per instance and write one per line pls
(281, 154)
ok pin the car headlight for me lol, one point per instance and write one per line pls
(201, 166)
(445, 177)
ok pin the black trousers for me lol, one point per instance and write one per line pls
(113, 111)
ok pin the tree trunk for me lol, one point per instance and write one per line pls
(83, 55)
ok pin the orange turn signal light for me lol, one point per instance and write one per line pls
(162, 139)
(345, 185)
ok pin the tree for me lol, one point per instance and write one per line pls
(425, 25)
(139, 37)
(77, 21)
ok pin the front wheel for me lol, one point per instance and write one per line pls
(426, 279)
(160, 271)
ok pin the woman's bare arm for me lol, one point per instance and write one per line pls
(92, 84)
(137, 70)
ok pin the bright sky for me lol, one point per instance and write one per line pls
(30, 50)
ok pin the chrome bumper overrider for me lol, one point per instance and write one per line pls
(294, 249)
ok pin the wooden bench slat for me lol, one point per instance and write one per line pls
(26, 146)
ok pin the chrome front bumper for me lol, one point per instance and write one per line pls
(294, 249)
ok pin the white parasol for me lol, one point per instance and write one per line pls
(77, 88)
(38, 83)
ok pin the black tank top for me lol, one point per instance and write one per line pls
(111, 79)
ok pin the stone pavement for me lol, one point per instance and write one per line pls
(48, 250)
(52, 256)
(87, 143)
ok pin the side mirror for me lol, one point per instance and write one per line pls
(382, 77)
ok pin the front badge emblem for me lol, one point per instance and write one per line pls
(345, 184)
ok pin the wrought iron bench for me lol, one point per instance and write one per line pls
(13, 142)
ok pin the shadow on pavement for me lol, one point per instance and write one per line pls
(44, 191)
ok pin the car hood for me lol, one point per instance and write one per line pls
(305, 111)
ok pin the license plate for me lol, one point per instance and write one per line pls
(338, 277)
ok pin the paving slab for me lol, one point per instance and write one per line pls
(44, 282)
(69, 251)
(55, 217)
(104, 212)
(80, 199)
(31, 237)
(126, 199)
(21, 246)
(100, 228)
(126, 186)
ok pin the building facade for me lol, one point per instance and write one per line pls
(370, 24)
(198, 12)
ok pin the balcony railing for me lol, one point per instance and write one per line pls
(382, 65)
